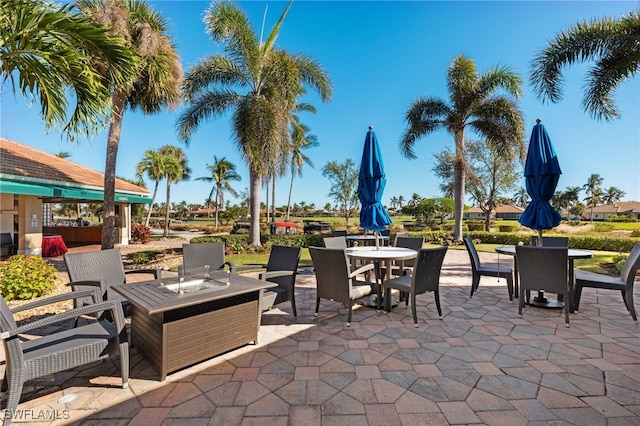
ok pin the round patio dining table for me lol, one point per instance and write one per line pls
(551, 303)
(386, 255)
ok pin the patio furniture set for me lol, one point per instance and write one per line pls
(209, 308)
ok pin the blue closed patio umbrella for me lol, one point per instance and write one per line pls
(371, 183)
(541, 171)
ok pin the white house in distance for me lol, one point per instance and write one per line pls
(621, 208)
(502, 211)
(30, 180)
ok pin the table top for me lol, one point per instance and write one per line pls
(152, 298)
(366, 237)
(381, 253)
(573, 253)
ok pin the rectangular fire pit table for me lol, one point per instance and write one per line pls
(175, 329)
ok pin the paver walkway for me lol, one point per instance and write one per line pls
(480, 364)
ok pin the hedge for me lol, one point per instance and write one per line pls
(581, 241)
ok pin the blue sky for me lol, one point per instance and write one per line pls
(381, 56)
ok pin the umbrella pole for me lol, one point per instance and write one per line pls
(376, 233)
(540, 297)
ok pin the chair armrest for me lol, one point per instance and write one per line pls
(156, 272)
(362, 269)
(274, 274)
(240, 268)
(95, 293)
(112, 305)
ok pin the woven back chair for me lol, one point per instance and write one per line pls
(282, 269)
(104, 267)
(335, 280)
(543, 268)
(63, 350)
(425, 278)
(550, 241)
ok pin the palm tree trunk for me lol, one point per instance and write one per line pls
(218, 202)
(113, 139)
(289, 199)
(254, 207)
(266, 201)
(458, 186)
(153, 200)
(168, 209)
(273, 198)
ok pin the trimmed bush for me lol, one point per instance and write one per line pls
(25, 277)
(140, 234)
(142, 257)
(507, 228)
(603, 227)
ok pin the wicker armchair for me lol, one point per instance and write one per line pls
(104, 268)
(544, 268)
(60, 351)
(195, 256)
(425, 277)
(336, 281)
(282, 269)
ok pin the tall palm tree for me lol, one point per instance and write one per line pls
(152, 164)
(614, 45)
(47, 52)
(255, 80)
(612, 195)
(593, 190)
(175, 170)
(473, 103)
(154, 86)
(222, 172)
(301, 139)
(521, 198)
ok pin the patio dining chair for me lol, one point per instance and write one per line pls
(425, 277)
(413, 243)
(336, 281)
(105, 269)
(335, 242)
(282, 269)
(61, 350)
(479, 269)
(550, 241)
(622, 283)
(543, 268)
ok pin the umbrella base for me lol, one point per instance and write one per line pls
(372, 301)
(540, 301)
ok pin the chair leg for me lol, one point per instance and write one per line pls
(413, 309)
(387, 299)
(16, 382)
(576, 297)
(567, 308)
(521, 301)
(293, 304)
(436, 295)
(124, 364)
(474, 284)
(317, 305)
(349, 313)
(510, 287)
(628, 300)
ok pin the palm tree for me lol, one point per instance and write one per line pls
(63, 154)
(592, 188)
(400, 201)
(300, 139)
(222, 172)
(152, 164)
(614, 45)
(612, 195)
(47, 52)
(474, 104)
(175, 170)
(256, 81)
(521, 198)
(154, 86)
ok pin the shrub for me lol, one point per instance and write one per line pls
(25, 277)
(141, 257)
(635, 233)
(507, 228)
(140, 234)
(603, 227)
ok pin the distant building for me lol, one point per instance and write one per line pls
(502, 211)
(621, 208)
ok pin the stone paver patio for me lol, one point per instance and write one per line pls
(480, 364)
